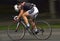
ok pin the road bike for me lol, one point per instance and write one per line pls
(45, 30)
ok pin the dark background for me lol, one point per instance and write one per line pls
(7, 10)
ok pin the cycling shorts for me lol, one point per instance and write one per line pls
(32, 12)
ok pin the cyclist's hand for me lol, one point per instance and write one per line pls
(16, 18)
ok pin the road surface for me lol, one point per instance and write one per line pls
(54, 37)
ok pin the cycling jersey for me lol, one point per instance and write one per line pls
(27, 6)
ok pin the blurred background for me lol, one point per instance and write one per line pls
(49, 10)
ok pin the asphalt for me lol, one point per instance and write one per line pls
(54, 37)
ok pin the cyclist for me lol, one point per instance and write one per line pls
(27, 9)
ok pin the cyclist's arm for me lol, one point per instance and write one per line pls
(20, 13)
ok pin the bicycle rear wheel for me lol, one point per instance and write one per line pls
(15, 35)
(45, 30)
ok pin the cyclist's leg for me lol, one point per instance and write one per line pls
(34, 15)
(26, 19)
(33, 24)
(27, 23)
(34, 27)
(30, 12)
(27, 13)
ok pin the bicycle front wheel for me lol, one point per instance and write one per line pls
(44, 29)
(15, 35)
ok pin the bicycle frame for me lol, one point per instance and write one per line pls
(42, 35)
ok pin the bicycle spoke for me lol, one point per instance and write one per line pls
(15, 35)
(45, 30)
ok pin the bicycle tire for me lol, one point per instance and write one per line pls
(46, 30)
(15, 36)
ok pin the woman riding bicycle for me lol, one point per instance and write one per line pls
(27, 9)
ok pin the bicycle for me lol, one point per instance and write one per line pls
(44, 28)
